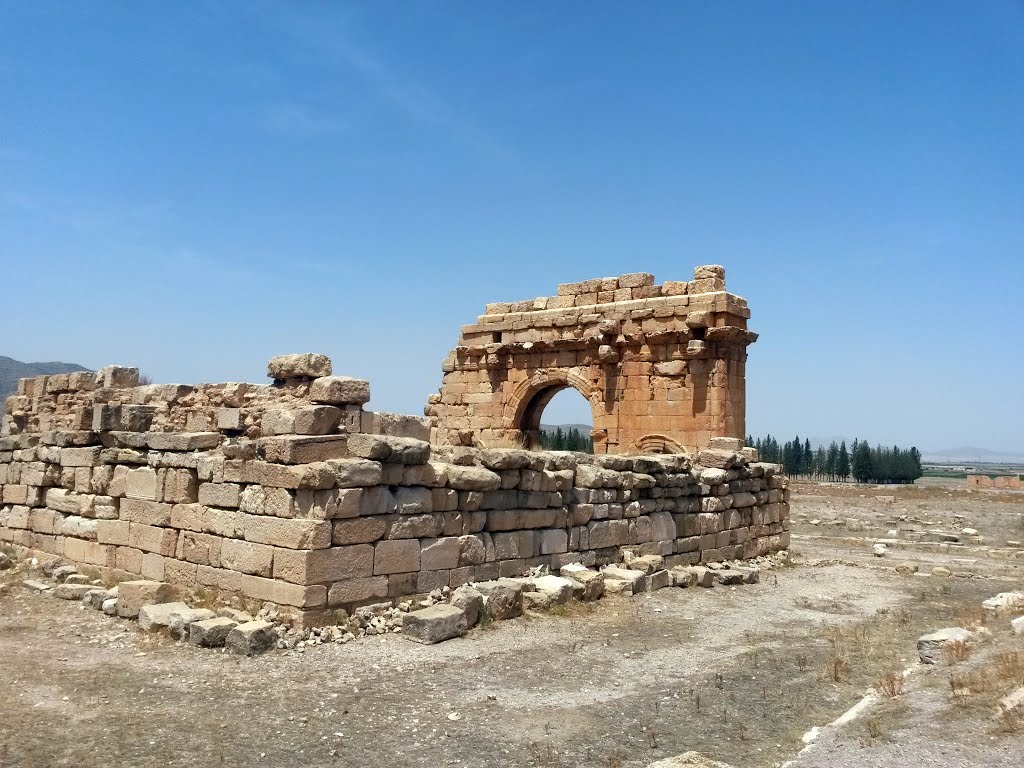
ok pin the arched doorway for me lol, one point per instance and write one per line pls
(559, 418)
(532, 397)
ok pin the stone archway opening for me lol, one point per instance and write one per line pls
(559, 412)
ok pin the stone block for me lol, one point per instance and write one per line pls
(183, 441)
(282, 593)
(142, 483)
(219, 495)
(303, 449)
(158, 615)
(396, 557)
(339, 390)
(148, 538)
(246, 557)
(931, 648)
(434, 624)
(360, 530)
(210, 633)
(394, 450)
(440, 554)
(133, 595)
(357, 590)
(71, 591)
(251, 638)
(291, 534)
(355, 473)
(307, 365)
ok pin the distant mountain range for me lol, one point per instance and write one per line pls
(969, 454)
(11, 370)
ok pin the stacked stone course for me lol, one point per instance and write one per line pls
(293, 494)
(662, 366)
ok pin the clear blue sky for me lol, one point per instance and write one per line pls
(194, 187)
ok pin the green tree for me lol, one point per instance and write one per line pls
(861, 465)
(843, 462)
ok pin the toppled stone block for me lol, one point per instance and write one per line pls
(299, 366)
(559, 590)
(210, 633)
(732, 444)
(931, 647)
(1004, 601)
(589, 584)
(153, 617)
(470, 602)
(623, 580)
(61, 573)
(71, 591)
(180, 621)
(683, 577)
(98, 596)
(339, 390)
(251, 638)
(728, 577)
(37, 586)
(503, 599)
(658, 580)
(719, 459)
(537, 601)
(133, 595)
(434, 624)
(646, 564)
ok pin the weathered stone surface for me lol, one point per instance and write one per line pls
(339, 390)
(395, 450)
(251, 638)
(303, 449)
(71, 591)
(688, 760)
(210, 633)
(589, 585)
(932, 647)
(434, 624)
(503, 599)
(472, 478)
(306, 365)
(1004, 601)
(181, 620)
(158, 615)
(624, 580)
(557, 589)
(1017, 625)
(470, 602)
(133, 595)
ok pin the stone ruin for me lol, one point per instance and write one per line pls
(1003, 482)
(293, 494)
(662, 366)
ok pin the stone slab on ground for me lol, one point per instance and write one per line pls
(180, 621)
(590, 584)
(1004, 601)
(251, 638)
(158, 615)
(623, 580)
(132, 595)
(71, 591)
(470, 602)
(557, 589)
(38, 586)
(932, 647)
(434, 624)
(210, 633)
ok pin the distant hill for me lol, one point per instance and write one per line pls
(969, 454)
(11, 370)
(584, 429)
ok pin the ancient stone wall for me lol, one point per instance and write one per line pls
(1003, 482)
(293, 494)
(662, 366)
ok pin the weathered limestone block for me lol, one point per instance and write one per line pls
(303, 449)
(503, 598)
(71, 591)
(320, 566)
(307, 420)
(247, 557)
(275, 502)
(357, 590)
(434, 624)
(210, 633)
(932, 647)
(290, 534)
(307, 365)
(470, 602)
(158, 615)
(251, 638)
(397, 450)
(335, 503)
(219, 495)
(355, 473)
(401, 556)
(133, 595)
(142, 483)
(588, 585)
(361, 530)
(339, 390)
(183, 441)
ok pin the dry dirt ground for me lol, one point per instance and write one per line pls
(740, 673)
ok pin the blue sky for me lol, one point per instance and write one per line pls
(195, 187)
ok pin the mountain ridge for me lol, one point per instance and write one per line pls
(11, 370)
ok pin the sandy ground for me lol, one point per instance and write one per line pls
(737, 672)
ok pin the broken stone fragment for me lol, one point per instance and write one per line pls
(470, 602)
(434, 624)
(71, 591)
(559, 590)
(299, 366)
(251, 638)
(132, 595)
(210, 633)
(589, 584)
(181, 620)
(154, 617)
(503, 599)
(931, 647)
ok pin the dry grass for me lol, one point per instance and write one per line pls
(957, 651)
(890, 684)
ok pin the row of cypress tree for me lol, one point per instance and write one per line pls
(570, 439)
(861, 462)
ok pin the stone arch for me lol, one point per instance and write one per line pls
(526, 402)
(658, 444)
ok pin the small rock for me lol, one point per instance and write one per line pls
(109, 606)
(239, 617)
(180, 621)
(1013, 703)
(1017, 625)
(6, 563)
(940, 571)
(879, 550)
(61, 573)
(907, 567)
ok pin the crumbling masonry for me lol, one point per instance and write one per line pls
(292, 493)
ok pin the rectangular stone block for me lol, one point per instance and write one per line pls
(303, 449)
(80, 457)
(357, 590)
(112, 532)
(246, 557)
(142, 483)
(283, 593)
(290, 534)
(180, 486)
(145, 512)
(360, 530)
(332, 504)
(320, 566)
(148, 538)
(219, 495)
(396, 557)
